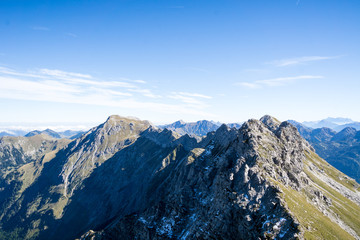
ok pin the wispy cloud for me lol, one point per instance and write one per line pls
(63, 74)
(140, 81)
(197, 95)
(40, 28)
(145, 92)
(52, 85)
(275, 81)
(78, 78)
(300, 60)
(12, 127)
(71, 34)
(195, 100)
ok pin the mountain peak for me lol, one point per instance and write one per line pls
(347, 134)
(199, 128)
(116, 118)
(115, 123)
(270, 122)
(47, 131)
(179, 122)
(255, 181)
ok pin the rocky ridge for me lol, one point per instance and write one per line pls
(244, 184)
(126, 179)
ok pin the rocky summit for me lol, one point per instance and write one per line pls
(127, 179)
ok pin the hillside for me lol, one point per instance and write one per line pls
(340, 149)
(126, 179)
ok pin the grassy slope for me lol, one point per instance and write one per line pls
(315, 224)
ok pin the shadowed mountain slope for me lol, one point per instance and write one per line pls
(263, 181)
(126, 179)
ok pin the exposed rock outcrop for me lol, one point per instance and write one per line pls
(240, 185)
(129, 180)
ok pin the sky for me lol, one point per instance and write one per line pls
(73, 62)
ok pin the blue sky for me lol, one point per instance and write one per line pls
(81, 61)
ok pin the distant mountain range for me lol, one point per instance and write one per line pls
(199, 128)
(70, 134)
(127, 179)
(336, 124)
(340, 149)
(13, 133)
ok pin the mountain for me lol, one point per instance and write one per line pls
(21, 162)
(320, 124)
(16, 151)
(355, 125)
(234, 125)
(70, 134)
(5, 133)
(199, 128)
(339, 120)
(336, 124)
(12, 133)
(48, 132)
(340, 149)
(127, 179)
(61, 174)
(328, 122)
(77, 135)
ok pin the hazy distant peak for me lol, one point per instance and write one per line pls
(347, 134)
(180, 122)
(336, 123)
(48, 132)
(199, 128)
(339, 120)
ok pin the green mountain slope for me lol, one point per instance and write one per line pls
(126, 179)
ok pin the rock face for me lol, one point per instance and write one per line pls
(129, 180)
(258, 182)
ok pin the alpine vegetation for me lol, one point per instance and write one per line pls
(128, 179)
